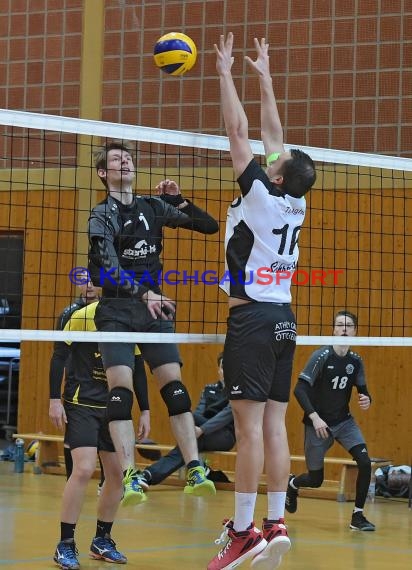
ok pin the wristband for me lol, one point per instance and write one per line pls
(141, 290)
(272, 157)
(173, 199)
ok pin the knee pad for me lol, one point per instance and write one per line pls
(119, 405)
(361, 456)
(316, 478)
(176, 398)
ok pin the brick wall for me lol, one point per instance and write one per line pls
(342, 70)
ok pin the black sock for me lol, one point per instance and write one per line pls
(67, 531)
(103, 528)
(194, 463)
(147, 476)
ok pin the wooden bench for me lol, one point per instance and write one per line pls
(47, 453)
(341, 490)
(48, 460)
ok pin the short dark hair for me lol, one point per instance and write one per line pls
(347, 314)
(100, 154)
(299, 174)
(219, 358)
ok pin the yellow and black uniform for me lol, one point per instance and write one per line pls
(85, 390)
(86, 382)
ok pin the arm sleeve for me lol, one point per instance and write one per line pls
(361, 381)
(219, 421)
(364, 390)
(140, 384)
(302, 394)
(190, 217)
(201, 406)
(58, 360)
(199, 220)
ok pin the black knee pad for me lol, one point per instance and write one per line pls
(176, 398)
(316, 478)
(119, 404)
(361, 456)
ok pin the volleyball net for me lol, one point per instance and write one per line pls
(355, 245)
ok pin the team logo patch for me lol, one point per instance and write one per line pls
(285, 330)
(349, 368)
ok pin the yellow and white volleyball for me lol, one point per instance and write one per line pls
(32, 448)
(175, 53)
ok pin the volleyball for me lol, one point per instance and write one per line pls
(175, 53)
(32, 448)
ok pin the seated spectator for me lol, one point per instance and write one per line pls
(214, 429)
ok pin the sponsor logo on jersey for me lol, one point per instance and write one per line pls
(278, 266)
(236, 390)
(294, 211)
(140, 250)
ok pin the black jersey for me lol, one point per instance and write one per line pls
(215, 407)
(126, 241)
(332, 378)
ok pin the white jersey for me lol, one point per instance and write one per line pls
(261, 241)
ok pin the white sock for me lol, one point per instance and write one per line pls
(357, 510)
(244, 510)
(276, 505)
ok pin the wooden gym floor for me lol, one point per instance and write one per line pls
(176, 532)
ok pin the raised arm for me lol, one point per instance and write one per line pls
(234, 116)
(194, 218)
(271, 126)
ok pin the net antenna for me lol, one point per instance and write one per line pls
(355, 246)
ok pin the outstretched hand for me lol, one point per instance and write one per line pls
(261, 65)
(224, 59)
(169, 187)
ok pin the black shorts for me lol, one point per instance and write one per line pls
(258, 354)
(132, 315)
(87, 427)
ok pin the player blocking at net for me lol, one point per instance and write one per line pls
(262, 229)
(125, 233)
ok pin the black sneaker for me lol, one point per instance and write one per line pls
(291, 502)
(359, 522)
